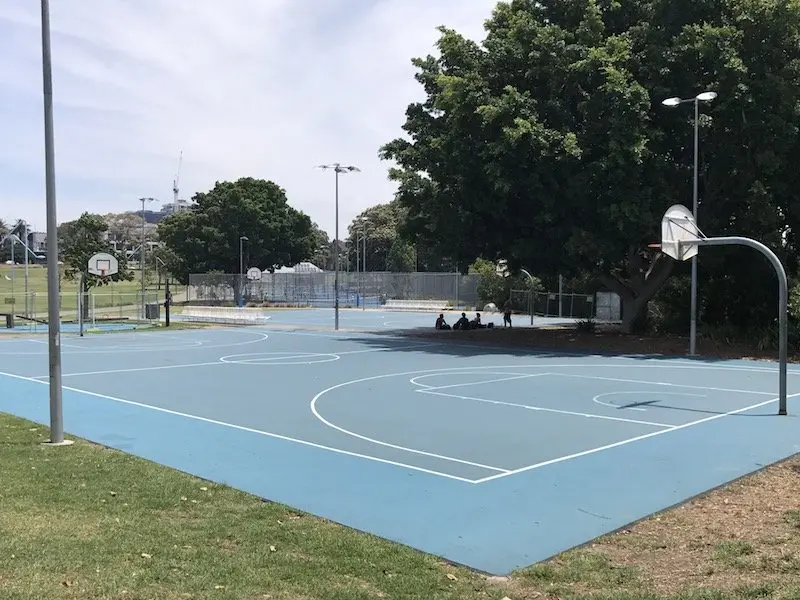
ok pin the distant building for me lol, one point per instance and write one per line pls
(37, 241)
(154, 217)
(173, 207)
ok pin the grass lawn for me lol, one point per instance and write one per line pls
(89, 523)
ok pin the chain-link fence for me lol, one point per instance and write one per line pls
(370, 289)
(98, 305)
(604, 306)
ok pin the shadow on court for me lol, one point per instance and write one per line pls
(486, 342)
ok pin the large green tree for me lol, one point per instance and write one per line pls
(386, 248)
(548, 145)
(82, 238)
(392, 244)
(206, 237)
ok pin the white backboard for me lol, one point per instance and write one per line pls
(254, 274)
(678, 225)
(103, 264)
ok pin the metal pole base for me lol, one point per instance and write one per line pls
(63, 443)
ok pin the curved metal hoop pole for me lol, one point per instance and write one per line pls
(530, 293)
(783, 300)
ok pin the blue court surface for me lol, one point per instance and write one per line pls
(489, 457)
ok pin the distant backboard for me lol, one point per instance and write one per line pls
(677, 226)
(103, 264)
(254, 274)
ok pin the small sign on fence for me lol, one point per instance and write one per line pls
(11, 300)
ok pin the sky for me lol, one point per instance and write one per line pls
(244, 88)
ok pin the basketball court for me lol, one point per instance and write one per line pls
(494, 458)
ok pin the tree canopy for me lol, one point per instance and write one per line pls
(206, 237)
(386, 247)
(548, 145)
(82, 238)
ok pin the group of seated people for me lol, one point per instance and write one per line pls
(463, 323)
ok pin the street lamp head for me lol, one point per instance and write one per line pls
(706, 96)
(671, 101)
(339, 168)
(244, 238)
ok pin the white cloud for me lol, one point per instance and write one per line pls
(262, 88)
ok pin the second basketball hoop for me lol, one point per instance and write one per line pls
(103, 264)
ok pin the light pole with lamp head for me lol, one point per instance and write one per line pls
(53, 279)
(167, 294)
(142, 249)
(672, 102)
(361, 237)
(337, 168)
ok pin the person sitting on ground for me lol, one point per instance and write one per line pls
(441, 323)
(476, 322)
(462, 323)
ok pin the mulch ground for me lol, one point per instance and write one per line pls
(601, 341)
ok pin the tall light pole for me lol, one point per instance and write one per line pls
(672, 102)
(337, 168)
(53, 296)
(361, 236)
(364, 223)
(242, 238)
(142, 247)
(27, 314)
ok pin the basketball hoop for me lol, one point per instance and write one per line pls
(678, 229)
(102, 265)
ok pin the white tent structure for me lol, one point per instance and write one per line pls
(301, 267)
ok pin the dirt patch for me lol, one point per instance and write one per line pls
(740, 539)
(740, 534)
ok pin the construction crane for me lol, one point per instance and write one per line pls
(175, 188)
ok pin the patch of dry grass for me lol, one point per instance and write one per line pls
(740, 541)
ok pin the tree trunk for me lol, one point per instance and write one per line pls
(644, 281)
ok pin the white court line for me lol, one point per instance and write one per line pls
(251, 430)
(631, 440)
(662, 384)
(62, 344)
(136, 369)
(117, 349)
(674, 365)
(379, 349)
(426, 387)
(543, 409)
(455, 370)
(377, 442)
(618, 407)
(253, 362)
